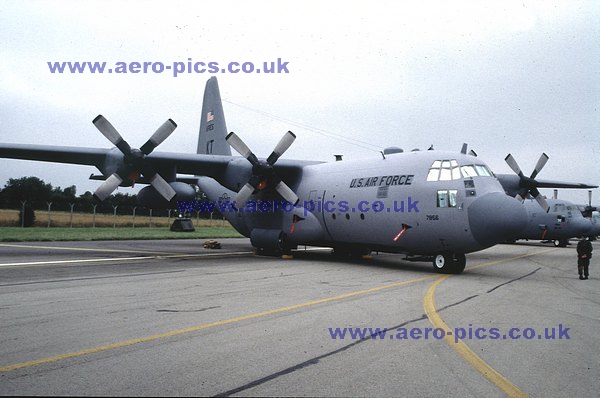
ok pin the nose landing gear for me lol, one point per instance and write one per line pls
(449, 263)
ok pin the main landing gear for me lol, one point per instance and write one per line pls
(449, 263)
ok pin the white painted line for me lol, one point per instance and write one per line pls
(76, 261)
(82, 249)
(96, 260)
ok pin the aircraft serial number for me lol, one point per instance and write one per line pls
(432, 217)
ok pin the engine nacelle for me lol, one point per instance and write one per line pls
(150, 198)
(268, 239)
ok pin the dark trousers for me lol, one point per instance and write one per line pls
(583, 267)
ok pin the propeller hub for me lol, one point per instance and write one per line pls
(262, 168)
(527, 182)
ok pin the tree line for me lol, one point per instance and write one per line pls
(37, 194)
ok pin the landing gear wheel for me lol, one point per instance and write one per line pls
(449, 263)
(561, 242)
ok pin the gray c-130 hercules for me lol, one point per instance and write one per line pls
(432, 205)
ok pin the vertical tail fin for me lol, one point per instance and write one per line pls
(211, 137)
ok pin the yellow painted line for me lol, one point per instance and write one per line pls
(83, 249)
(461, 348)
(125, 343)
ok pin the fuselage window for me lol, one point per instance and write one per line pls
(446, 198)
(452, 198)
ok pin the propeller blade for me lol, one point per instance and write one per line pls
(286, 193)
(162, 186)
(540, 165)
(111, 134)
(237, 144)
(542, 202)
(283, 145)
(243, 195)
(590, 198)
(161, 134)
(522, 195)
(108, 186)
(512, 163)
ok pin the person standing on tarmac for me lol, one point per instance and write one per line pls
(584, 253)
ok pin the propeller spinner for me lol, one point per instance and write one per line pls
(529, 185)
(134, 162)
(263, 174)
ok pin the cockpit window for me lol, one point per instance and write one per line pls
(434, 174)
(468, 171)
(448, 169)
(444, 170)
(483, 170)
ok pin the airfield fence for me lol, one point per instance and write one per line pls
(122, 217)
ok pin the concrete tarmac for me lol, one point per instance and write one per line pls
(170, 318)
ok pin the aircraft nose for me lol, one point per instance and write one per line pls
(496, 217)
(581, 226)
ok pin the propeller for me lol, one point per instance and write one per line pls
(528, 185)
(134, 161)
(263, 174)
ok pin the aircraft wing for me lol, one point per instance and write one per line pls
(183, 163)
(59, 154)
(512, 186)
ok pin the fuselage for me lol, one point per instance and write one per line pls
(562, 221)
(420, 203)
(595, 220)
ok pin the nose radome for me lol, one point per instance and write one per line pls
(496, 217)
(581, 226)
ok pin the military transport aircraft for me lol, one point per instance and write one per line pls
(562, 221)
(430, 205)
(550, 220)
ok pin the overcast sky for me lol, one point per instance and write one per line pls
(516, 77)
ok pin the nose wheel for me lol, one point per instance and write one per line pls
(449, 263)
(561, 242)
